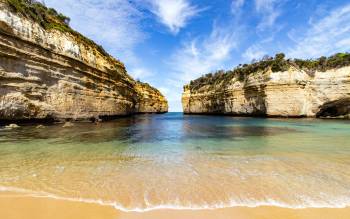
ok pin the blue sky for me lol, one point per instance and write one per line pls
(167, 43)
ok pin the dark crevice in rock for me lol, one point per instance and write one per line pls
(335, 109)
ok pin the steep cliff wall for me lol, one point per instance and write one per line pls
(150, 100)
(55, 74)
(293, 92)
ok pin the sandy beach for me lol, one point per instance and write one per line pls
(174, 109)
(142, 164)
(18, 206)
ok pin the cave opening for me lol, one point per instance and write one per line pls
(338, 108)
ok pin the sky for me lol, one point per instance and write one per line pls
(168, 43)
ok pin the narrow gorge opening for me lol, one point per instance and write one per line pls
(338, 108)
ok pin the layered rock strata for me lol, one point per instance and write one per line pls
(290, 93)
(51, 74)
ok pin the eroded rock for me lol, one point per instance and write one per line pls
(49, 74)
(292, 93)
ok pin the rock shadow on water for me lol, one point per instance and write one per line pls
(147, 129)
(214, 127)
(77, 132)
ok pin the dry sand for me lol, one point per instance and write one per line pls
(18, 206)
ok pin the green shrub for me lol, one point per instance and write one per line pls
(49, 19)
(276, 64)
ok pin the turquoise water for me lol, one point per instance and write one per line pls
(178, 161)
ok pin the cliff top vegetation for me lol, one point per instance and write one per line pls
(275, 64)
(149, 87)
(49, 18)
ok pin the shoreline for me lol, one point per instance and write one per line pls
(53, 121)
(19, 192)
(345, 117)
(16, 205)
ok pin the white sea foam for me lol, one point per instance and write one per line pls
(176, 205)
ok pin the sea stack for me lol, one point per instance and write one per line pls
(275, 87)
(49, 71)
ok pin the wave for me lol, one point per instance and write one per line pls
(178, 206)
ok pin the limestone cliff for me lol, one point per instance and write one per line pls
(292, 91)
(56, 74)
(150, 100)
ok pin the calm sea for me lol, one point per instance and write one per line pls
(183, 162)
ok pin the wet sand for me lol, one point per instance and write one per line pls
(18, 206)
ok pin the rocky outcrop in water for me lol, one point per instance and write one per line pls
(291, 91)
(57, 74)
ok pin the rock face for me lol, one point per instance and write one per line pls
(150, 99)
(52, 75)
(291, 93)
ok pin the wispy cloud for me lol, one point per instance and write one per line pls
(174, 14)
(254, 52)
(141, 73)
(108, 22)
(201, 55)
(198, 56)
(270, 11)
(326, 36)
(236, 6)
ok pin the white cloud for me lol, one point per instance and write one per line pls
(326, 36)
(264, 5)
(108, 22)
(175, 14)
(253, 52)
(141, 73)
(270, 12)
(236, 6)
(199, 56)
(173, 95)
